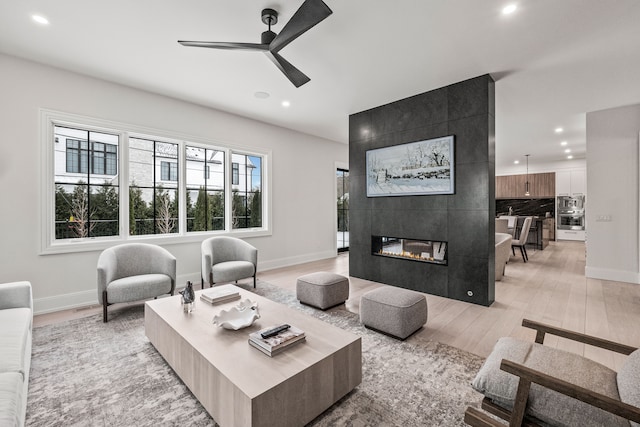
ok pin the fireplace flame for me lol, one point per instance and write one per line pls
(404, 254)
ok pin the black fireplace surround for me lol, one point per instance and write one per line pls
(464, 221)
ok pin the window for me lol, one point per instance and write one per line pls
(205, 194)
(342, 191)
(106, 181)
(86, 204)
(168, 171)
(153, 205)
(235, 173)
(103, 157)
(246, 191)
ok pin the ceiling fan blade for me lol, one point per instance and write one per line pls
(226, 45)
(297, 77)
(307, 16)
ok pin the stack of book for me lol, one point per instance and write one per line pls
(220, 294)
(277, 343)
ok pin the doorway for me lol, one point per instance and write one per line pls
(342, 183)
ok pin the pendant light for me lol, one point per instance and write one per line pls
(526, 184)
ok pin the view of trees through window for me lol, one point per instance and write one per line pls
(205, 189)
(153, 193)
(86, 192)
(87, 186)
(246, 191)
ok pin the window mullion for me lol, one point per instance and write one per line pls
(122, 162)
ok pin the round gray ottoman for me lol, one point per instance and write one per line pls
(322, 289)
(394, 311)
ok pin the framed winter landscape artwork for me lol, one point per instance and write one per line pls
(416, 168)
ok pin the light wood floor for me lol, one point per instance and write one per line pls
(550, 288)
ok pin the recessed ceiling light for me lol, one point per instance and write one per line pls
(509, 9)
(568, 150)
(261, 95)
(286, 104)
(563, 143)
(569, 157)
(40, 19)
(559, 130)
(516, 162)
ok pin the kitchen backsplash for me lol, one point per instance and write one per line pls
(526, 207)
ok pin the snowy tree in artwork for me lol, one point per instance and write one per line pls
(423, 167)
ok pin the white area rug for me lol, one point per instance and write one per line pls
(88, 373)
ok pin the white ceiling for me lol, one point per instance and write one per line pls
(553, 60)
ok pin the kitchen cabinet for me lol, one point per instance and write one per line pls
(570, 235)
(541, 185)
(571, 183)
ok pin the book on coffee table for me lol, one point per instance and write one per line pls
(275, 344)
(220, 294)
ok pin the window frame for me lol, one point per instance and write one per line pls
(46, 225)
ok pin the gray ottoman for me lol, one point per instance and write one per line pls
(395, 311)
(322, 289)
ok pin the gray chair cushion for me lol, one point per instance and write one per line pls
(547, 405)
(322, 289)
(139, 287)
(229, 271)
(629, 381)
(395, 311)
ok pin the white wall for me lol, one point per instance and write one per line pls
(303, 177)
(612, 182)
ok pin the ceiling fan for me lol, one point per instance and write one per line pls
(307, 16)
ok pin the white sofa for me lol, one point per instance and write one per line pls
(16, 320)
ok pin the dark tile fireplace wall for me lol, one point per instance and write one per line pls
(465, 219)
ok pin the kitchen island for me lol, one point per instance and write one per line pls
(541, 232)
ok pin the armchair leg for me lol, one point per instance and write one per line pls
(104, 306)
(524, 258)
(254, 281)
(525, 252)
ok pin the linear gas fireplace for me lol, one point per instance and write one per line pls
(430, 251)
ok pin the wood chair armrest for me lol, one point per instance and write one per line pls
(588, 396)
(476, 418)
(542, 329)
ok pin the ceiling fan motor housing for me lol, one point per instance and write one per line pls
(267, 37)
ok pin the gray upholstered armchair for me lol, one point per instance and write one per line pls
(134, 271)
(227, 259)
(531, 384)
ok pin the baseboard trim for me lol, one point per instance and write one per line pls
(614, 275)
(294, 260)
(85, 298)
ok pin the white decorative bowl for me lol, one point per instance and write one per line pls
(238, 317)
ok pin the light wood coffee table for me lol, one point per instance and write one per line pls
(239, 385)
